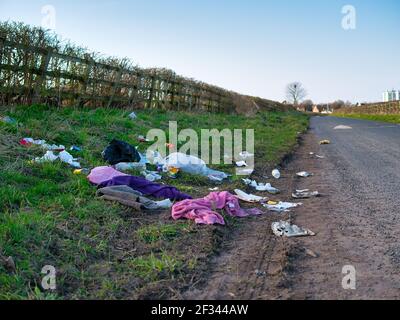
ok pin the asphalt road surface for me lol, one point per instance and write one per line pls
(358, 220)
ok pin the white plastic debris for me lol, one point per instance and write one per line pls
(245, 155)
(281, 206)
(132, 116)
(276, 174)
(66, 157)
(319, 157)
(241, 164)
(49, 156)
(164, 204)
(249, 197)
(213, 189)
(261, 187)
(285, 229)
(304, 174)
(305, 194)
(151, 175)
(193, 165)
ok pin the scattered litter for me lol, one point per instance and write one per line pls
(342, 127)
(325, 142)
(260, 273)
(8, 120)
(285, 229)
(151, 175)
(304, 174)
(49, 156)
(66, 157)
(276, 174)
(281, 206)
(312, 153)
(261, 187)
(131, 198)
(249, 197)
(203, 211)
(143, 139)
(75, 148)
(311, 253)
(241, 164)
(173, 172)
(132, 116)
(245, 155)
(107, 177)
(119, 151)
(305, 194)
(244, 171)
(319, 157)
(81, 171)
(126, 166)
(29, 142)
(191, 165)
(213, 189)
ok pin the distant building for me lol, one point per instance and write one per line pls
(393, 95)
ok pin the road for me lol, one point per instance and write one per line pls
(356, 221)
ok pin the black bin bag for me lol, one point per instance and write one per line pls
(120, 151)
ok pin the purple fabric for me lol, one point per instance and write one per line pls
(146, 187)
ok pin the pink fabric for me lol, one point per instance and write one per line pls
(101, 174)
(202, 211)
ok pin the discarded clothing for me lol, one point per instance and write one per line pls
(261, 187)
(202, 211)
(131, 198)
(147, 188)
(120, 151)
(241, 195)
(101, 174)
(304, 174)
(281, 206)
(305, 194)
(285, 229)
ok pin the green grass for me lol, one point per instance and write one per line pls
(391, 118)
(49, 216)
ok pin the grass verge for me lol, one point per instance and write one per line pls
(49, 216)
(391, 118)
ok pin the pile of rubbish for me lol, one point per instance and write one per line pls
(115, 183)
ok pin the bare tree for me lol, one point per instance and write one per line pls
(295, 92)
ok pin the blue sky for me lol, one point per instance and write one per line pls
(253, 47)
